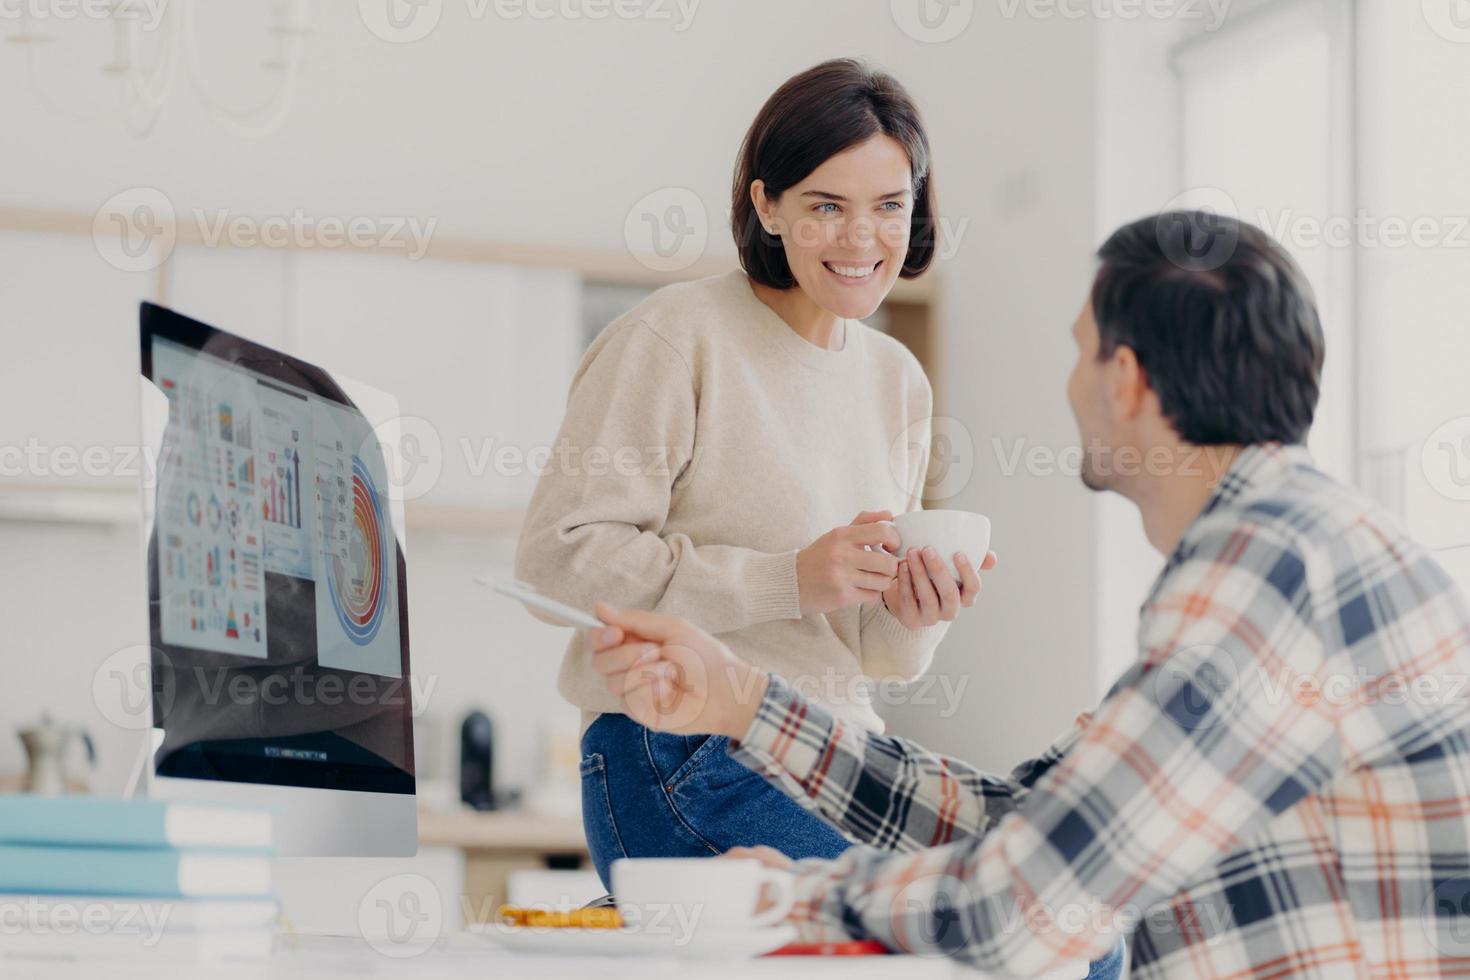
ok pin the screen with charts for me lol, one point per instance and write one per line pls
(277, 593)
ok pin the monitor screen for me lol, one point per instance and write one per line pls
(277, 581)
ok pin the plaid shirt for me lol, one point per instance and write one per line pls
(1279, 786)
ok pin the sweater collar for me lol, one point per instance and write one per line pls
(780, 334)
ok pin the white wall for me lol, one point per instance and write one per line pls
(1137, 174)
(1413, 298)
(1027, 652)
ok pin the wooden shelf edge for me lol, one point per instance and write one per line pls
(500, 830)
(45, 503)
(599, 264)
(50, 503)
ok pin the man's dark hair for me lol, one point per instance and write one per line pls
(1222, 322)
(810, 118)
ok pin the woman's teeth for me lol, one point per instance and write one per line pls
(852, 271)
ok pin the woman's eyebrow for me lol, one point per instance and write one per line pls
(828, 195)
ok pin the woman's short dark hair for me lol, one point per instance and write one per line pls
(809, 119)
(1222, 322)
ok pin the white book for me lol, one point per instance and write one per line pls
(92, 821)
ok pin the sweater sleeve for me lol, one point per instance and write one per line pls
(595, 525)
(889, 648)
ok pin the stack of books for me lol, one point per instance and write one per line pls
(89, 878)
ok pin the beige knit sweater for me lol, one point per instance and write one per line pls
(704, 444)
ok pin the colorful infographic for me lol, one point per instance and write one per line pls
(359, 556)
(258, 477)
(211, 581)
(356, 576)
(283, 472)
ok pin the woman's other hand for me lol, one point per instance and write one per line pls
(924, 591)
(848, 565)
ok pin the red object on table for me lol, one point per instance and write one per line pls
(858, 947)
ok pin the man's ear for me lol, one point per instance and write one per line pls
(1127, 384)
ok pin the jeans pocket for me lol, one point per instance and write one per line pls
(603, 840)
(697, 759)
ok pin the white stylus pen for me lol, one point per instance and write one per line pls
(562, 613)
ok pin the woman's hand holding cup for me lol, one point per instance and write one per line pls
(848, 565)
(925, 591)
(928, 589)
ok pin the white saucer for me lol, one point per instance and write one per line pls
(632, 941)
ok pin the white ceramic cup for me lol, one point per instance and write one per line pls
(946, 531)
(704, 893)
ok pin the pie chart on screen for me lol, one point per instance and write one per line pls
(358, 582)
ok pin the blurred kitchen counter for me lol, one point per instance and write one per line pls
(497, 843)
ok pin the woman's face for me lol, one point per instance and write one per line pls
(845, 227)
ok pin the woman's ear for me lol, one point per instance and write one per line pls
(765, 208)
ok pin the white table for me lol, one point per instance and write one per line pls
(465, 956)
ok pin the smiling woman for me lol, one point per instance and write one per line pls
(832, 193)
(784, 416)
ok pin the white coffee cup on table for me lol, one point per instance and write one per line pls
(947, 532)
(719, 895)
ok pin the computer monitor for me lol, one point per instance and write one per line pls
(277, 591)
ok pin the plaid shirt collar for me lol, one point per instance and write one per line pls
(1255, 467)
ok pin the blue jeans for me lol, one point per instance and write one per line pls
(648, 794)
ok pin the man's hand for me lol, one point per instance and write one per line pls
(768, 856)
(672, 676)
(925, 592)
(847, 565)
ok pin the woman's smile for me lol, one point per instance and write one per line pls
(853, 273)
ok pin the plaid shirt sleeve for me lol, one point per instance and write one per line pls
(1184, 760)
(883, 791)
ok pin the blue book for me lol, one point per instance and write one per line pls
(132, 871)
(89, 821)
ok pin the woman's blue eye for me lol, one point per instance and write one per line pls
(827, 204)
(893, 205)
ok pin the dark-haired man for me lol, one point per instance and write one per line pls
(1279, 786)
